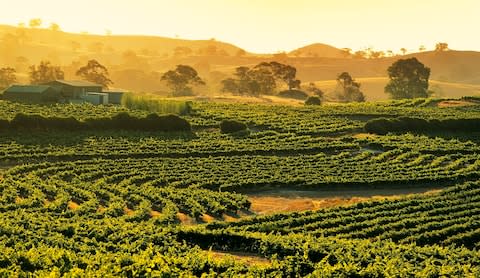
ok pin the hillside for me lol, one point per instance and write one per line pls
(137, 62)
(373, 88)
(318, 50)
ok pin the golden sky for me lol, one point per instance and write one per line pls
(268, 25)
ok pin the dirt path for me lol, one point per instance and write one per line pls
(455, 103)
(275, 201)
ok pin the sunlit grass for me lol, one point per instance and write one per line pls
(157, 105)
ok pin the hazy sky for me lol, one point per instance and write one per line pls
(268, 25)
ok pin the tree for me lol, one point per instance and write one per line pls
(45, 72)
(313, 89)
(403, 50)
(54, 27)
(422, 48)
(441, 46)
(313, 100)
(408, 79)
(230, 85)
(359, 54)
(261, 79)
(285, 73)
(349, 89)
(7, 77)
(35, 22)
(180, 79)
(346, 52)
(95, 72)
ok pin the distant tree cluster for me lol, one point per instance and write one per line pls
(441, 46)
(45, 72)
(181, 79)
(96, 73)
(408, 79)
(7, 77)
(349, 89)
(314, 90)
(261, 79)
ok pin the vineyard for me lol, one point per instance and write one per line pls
(155, 202)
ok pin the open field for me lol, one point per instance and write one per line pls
(373, 88)
(303, 190)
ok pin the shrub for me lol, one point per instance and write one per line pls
(409, 124)
(379, 126)
(314, 100)
(296, 94)
(231, 126)
(124, 121)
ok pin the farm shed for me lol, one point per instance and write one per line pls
(96, 98)
(114, 96)
(75, 89)
(32, 93)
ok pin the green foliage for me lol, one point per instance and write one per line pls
(180, 79)
(410, 124)
(121, 121)
(349, 89)
(106, 202)
(261, 79)
(45, 72)
(313, 100)
(160, 106)
(96, 73)
(231, 126)
(408, 79)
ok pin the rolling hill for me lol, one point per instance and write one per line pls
(137, 62)
(319, 50)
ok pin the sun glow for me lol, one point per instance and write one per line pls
(269, 25)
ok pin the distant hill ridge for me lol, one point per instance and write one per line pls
(136, 62)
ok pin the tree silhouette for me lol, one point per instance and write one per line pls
(54, 27)
(313, 89)
(180, 79)
(95, 72)
(261, 79)
(285, 73)
(441, 46)
(44, 73)
(350, 89)
(35, 22)
(7, 77)
(408, 79)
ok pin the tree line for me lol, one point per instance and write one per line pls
(408, 79)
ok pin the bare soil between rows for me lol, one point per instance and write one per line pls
(277, 201)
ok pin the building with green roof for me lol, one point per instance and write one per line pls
(32, 93)
(74, 89)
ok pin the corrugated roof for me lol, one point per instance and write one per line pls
(28, 88)
(77, 83)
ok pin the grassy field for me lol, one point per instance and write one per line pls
(303, 191)
(373, 88)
